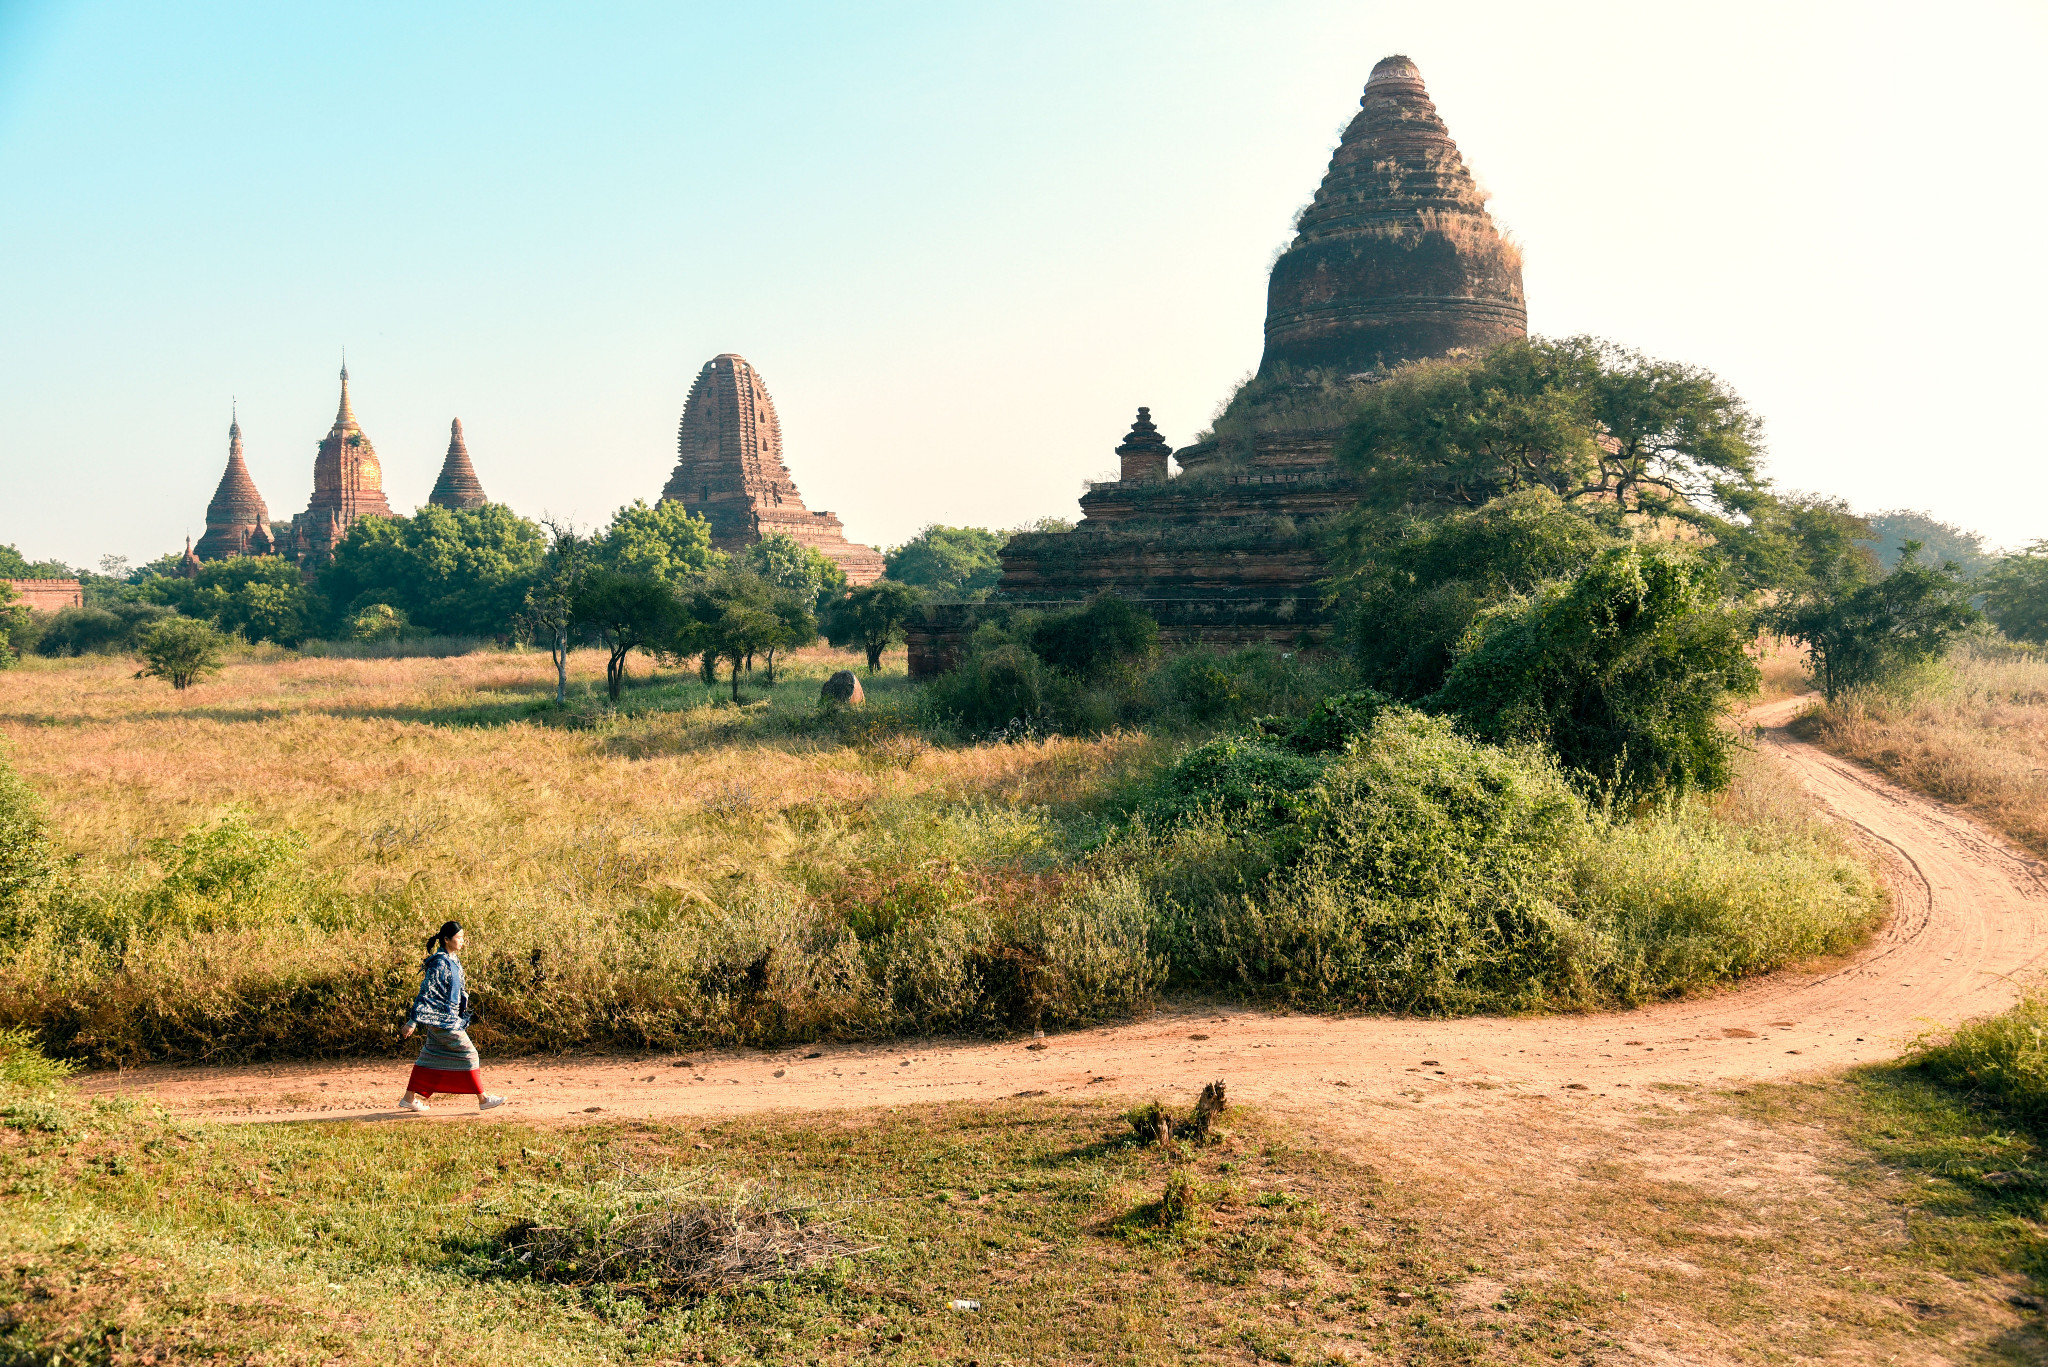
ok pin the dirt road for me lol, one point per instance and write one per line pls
(1971, 920)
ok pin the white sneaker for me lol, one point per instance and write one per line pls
(415, 1104)
(485, 1103)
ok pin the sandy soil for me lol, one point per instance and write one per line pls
(1970, 921)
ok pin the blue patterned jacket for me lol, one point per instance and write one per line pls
(441, 1001)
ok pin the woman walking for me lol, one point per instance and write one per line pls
(448, 1061)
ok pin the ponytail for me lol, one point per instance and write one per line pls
(440, 939)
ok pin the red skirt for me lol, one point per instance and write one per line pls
(427, 1081)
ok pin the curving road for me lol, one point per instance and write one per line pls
(1970, 923)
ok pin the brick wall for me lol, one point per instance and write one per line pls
(48, 595)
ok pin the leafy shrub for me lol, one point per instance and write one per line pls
(1420, 870)
(29, 1078)
(1238, 776)
(1622, 673)
(1086, 642)
(24, 848)
(94, 630)
(219, 875)
(1265, 774)
(382, 622)
(2003, 1058)
(23, 1064)
(994, 687)
(1406, 601)
(1866, 633)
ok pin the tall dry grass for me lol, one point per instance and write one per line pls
(1974, 733)
(678, 869)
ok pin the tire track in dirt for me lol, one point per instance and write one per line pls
(1970, 923)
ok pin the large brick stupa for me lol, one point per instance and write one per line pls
(1395, 260)
(729, 471)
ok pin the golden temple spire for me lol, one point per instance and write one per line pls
(346, 417)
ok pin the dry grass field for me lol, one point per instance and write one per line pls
(1976, 735)
(454, 769)
(252, 863)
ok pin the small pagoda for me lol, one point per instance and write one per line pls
(237, 521)
(457, 487)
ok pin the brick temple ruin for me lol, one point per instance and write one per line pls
(1395, 260)
(348, 483)
(729, 471)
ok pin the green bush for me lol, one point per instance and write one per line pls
(1420, 870)
(24, 848)
(2003, 1058)
(91, 630)
(382, 622)
(1239, 776)
(996, 687)
(1623, 673)
(1407, 600)
(1086, 642)
(23, 1064)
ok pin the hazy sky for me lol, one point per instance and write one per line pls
(961, 242)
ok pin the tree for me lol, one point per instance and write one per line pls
(665, 542)
(950, 562)
(737, 614)
(787, 564)
(1622, 671)
(549, 613)
(1939, 541)
(180, 649)
(628, 612)
(15, 625)
(13, 565)
(1592, 422)
(2016, 594)
(1408, 596)
(259, 597)
(798, 626)
(451, 572)
(873, 616)
(1862, 633)
(1797, 546)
